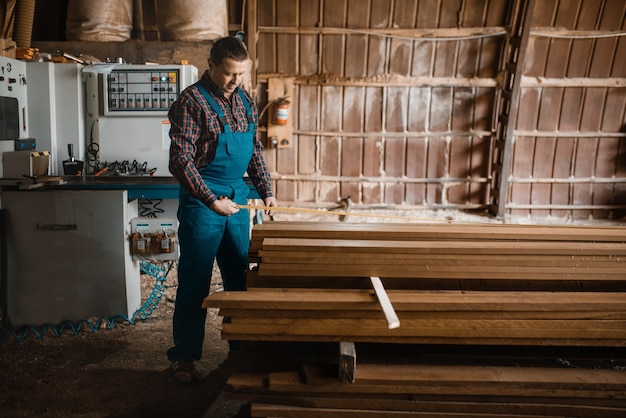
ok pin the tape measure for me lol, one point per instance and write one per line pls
(338, 213)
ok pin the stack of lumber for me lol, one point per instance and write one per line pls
(436, 391)
(465, 286)
(444, 251)
(426, 317)
(431, 387)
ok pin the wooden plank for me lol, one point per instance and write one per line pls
(438, 300)
(356, 60)
(266, 54)
(546, 341)
(333, 49)
(421, 231)
(394, 271)
(352, 148)
(442, 326)
(592, 333)
(390, 314)
(549, 377)
(290, 381)
(425, 409)
(339, 313)
(443, 247)
(418, 267)
(332, 106)
(430, 406)
(530, 260)
(286, 44)
(417, 148)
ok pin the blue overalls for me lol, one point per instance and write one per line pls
(205, 236)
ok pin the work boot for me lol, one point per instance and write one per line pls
(184, 371)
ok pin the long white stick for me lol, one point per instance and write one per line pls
(392, 319)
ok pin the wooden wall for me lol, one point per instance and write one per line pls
(393, 99)
(569, 151)
(394, 103)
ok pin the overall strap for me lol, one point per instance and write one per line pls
(214, 106)
(248, 109)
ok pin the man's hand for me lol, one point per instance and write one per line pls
(270, 202)
(224, 206)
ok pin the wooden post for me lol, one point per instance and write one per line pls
(347, 362)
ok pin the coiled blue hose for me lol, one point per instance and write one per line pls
(151, 303)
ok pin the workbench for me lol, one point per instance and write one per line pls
(65, 247)
(138, 187)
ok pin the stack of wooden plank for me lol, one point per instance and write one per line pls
(426, 317)
(417, 389)
(488, 251)
(451, 285)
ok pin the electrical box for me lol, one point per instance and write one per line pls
(127, 115)
(154, 239)
(128, 91)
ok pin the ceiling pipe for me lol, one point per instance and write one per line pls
(24, 18)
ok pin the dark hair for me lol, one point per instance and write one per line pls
(228, 47)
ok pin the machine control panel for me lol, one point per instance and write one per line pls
(138, 90)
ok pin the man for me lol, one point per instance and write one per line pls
(213, 144)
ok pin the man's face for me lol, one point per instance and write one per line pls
(229, 74)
